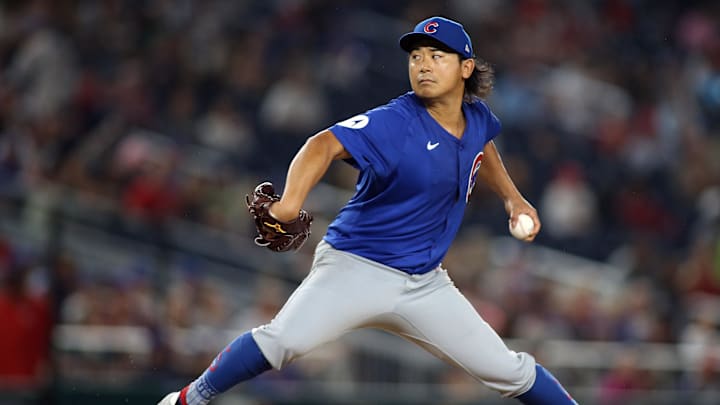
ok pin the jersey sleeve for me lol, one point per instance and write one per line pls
(493, 126)
(492, 122)
(374, 139)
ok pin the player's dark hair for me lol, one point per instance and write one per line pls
(480, 83)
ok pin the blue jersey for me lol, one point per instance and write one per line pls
(414, 182)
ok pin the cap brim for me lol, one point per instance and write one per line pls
(408, 41)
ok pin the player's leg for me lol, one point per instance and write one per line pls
(329, 302)
(341, 293)
(241, 360)
(440, 319)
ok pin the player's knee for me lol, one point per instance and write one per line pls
(514, 376)
(280, 346)
(291, 349)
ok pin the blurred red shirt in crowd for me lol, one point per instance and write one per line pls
(26, 325)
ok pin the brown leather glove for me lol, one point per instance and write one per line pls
(273, 234)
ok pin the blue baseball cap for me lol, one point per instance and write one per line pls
(448, 32)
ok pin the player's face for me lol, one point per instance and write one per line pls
(436, 73)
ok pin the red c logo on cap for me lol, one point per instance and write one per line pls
(431, 27)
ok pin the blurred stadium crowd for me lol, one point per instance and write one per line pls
(143, 114)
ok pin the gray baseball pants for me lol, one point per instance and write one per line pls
(344, 292)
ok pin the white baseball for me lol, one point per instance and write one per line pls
(523, 227)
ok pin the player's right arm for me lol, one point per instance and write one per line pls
(493, 172)
(306, 169)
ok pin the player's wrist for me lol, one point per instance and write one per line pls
(512, 203)
(282, 213)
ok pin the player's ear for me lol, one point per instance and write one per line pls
(467, 66)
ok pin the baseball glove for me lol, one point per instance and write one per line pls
(273, 234)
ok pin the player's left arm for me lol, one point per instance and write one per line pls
(493, 173)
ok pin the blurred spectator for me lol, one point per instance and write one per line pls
(178, 122)
(567, 90)
(625, 382)
(542, 318)
(700, 349)
(700, 273)
(568, 207)
(130, 93)
(153, 195)
(43, 73)
(295, 105)
(64, 281)
(585, 320)
(638, 318)
(27, 325)
(224, 129)
(264, 307)
(639, 207)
